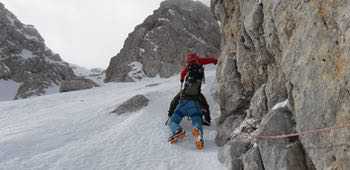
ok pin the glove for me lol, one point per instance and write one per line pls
(170, 114)
(215, 62)
(206, 122)
(182, 81)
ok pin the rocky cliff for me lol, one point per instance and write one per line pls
(284, 69)
(25, 59)
(157, 46)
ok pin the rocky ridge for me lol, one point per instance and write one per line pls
(283, 69)
(25, 59)
(157, 46)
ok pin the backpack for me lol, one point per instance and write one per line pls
(193, 81)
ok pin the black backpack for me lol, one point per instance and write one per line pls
(193, 81)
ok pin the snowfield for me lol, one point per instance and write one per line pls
(77, 131)
(8, 90)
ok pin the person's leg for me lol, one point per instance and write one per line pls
(194, 112)
(197, 132)
(176, 129)
(197, 123)
(175, 121)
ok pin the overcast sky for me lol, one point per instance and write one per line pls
(84, 32)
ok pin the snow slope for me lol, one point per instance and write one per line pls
(76, 131)
(8, 89)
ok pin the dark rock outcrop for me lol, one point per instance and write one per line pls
(25, 58)
(278, 50)
(134, 104)
(77, 84)
(158, 45)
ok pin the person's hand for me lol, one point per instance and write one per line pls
(206, 122)
(215, 62)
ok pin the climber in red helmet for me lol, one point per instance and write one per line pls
(189, 102)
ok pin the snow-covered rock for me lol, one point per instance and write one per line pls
(25, 59)
(97, 75)
(162, 40)
(76, 84)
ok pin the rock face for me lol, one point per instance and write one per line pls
(25, 58)
(134, 104)
(77, 84)
(275, 51)
(158, 45)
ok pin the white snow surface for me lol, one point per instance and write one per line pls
(52, 89)
(76, 130)
(280, 105)
(8, 90)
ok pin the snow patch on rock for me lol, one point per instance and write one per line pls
(136, 72)
(171, 11)
(164, 19)
(280, 105)
(26, 54)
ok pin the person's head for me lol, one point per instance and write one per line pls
(192, 58)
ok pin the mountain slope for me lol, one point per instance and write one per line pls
(158, 45)
(76, 130)
(26, 62)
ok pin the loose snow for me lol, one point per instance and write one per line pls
(8, 90)
(26, 54)
(75, 130)
(280, 105)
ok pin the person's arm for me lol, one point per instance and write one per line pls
(209, 60)
(183, 74)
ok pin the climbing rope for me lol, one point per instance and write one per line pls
(305, 133)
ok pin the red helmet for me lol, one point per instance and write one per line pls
(192, 58)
